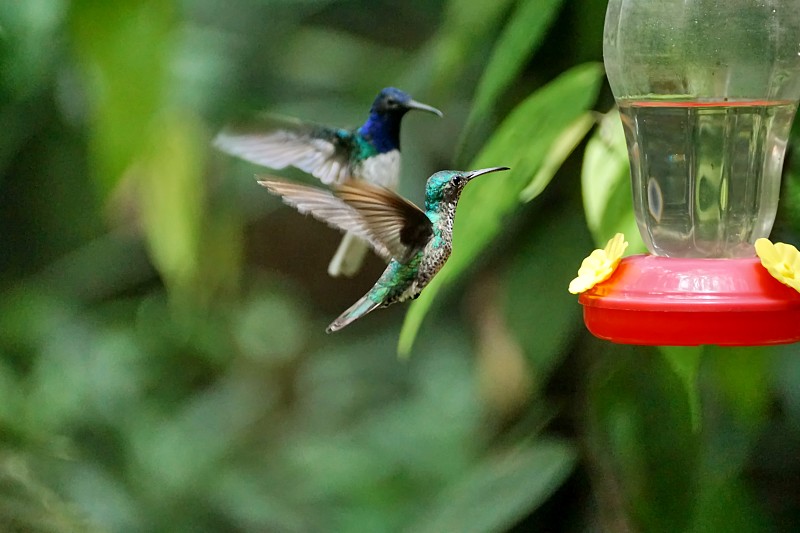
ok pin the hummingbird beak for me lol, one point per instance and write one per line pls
(475, 173)
(413, 104)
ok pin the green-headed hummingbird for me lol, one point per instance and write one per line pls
(370, 153)
(414, 242)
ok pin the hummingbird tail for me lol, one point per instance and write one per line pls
(363, 306)
(349, 257)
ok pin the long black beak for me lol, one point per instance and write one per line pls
(413, 104)
(475, 173)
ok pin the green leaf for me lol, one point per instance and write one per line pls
(499, 492)
(520, 38)
(685, 361)
(522, 142)
(466, 28)
(560, 151)
(605, 179)
(126, 83)
(172, 201)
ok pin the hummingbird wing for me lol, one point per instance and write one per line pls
(399, 224)
(279, 142)
(394, 227)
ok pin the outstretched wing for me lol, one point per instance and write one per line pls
(400, 225)
(394, 227)
(279, 142)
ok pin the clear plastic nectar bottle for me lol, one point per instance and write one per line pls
(707, 91)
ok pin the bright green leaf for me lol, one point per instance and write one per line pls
(522, 142)
(414, 317)
(466, 27)
(172, 200)
(560, 151)
(498, 493)
(605, 179)
(520, 38)
(125, 83)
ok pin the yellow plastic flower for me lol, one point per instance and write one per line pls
(599, 266)
(781, 260)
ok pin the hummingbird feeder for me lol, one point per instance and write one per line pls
(707, 92)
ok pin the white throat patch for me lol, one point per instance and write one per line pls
(382, 169)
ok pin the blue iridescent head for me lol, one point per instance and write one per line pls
(446, 185)
(382, 127)
(393, 101)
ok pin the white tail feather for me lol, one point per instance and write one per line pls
(349, 257)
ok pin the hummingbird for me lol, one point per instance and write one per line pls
(370, 153)
(414, 242)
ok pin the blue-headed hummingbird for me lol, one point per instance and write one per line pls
(370, 153)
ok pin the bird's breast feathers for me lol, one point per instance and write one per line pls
(381, 169)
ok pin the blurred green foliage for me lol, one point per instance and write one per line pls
(163, 361)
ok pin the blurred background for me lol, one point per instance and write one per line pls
(163, 358)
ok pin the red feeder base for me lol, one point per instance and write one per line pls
(667, 301)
